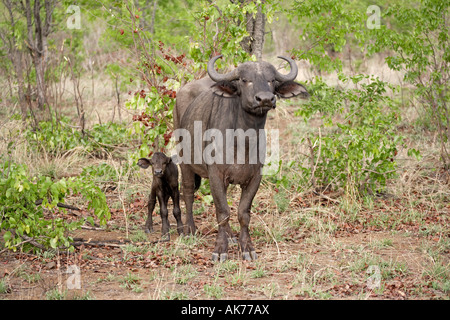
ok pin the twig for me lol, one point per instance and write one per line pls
(325, 197)
(34, 242)
(59, 204)
(318, 154)
(96, 244)
(112, 243)
(92, 228)
(17, 245)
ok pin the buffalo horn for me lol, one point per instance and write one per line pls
(215, 76)
(291, 75)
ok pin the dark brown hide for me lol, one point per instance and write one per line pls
(237, 100)
(164, 186)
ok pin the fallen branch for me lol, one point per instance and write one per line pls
(92, 228)
(33, 242)
(111, 243)
(59, 204)
(96, 244)
(80, 241)
(17, 245)
(325, 197)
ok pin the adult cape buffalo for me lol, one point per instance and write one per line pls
(236, 100)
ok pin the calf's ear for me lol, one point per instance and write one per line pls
(225, 89)
(144, 163)
(290, 89)
(168, 160)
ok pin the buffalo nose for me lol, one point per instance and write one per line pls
(158, 171)
(265, 99)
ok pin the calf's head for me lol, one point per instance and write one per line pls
(257, 84)
(159, 161)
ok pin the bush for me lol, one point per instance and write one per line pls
(359, 150)
(26, 223)
(356, 147)
(53, 137)
(56, 137)
(421, 50)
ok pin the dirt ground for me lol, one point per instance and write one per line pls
(352, 261)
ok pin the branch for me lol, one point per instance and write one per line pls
(59, 204)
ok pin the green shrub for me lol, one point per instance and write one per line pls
(359, 149)
(56, 137)
(24, 220)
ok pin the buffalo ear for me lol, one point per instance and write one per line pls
(225, 89)
(168, 160)
(291, 89)
(144, 163)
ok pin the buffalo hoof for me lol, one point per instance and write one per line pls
(148, 230)
(249, 256)
(221, 258)
(165, 237)
(189, 230)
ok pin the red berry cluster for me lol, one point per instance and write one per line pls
(149, 122)
(177, 60)
(161, 89)
(169, 57)
(153, 66)
(167, 92)
(145, 119)
(167, 137)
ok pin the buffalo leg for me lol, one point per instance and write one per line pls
(188, 182)
(163, 199)
(219, 193)
(148, 227)
(245, 204)
(177, 210)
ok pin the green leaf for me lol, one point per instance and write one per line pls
(414, 153)
(7, 236)
(54, 242)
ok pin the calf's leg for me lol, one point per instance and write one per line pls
(148, 227)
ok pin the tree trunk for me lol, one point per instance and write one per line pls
(255, 26)
(15, 55)
(152, 25)
(18, 68)
(37, 43)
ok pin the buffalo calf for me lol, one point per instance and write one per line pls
(164, 186)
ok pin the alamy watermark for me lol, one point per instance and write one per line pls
(234, 146)
(374, 281)
(373, 22)
(74, 21)
(74, 280)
